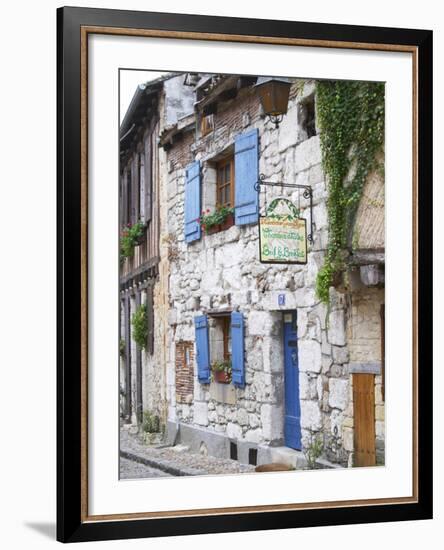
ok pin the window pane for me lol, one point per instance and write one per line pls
(227, 172)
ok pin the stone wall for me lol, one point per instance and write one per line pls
(223, 271)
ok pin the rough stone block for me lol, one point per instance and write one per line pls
(242, 417)
(347, 439)
(210, 280)
(338, 393)
(380, 429)
(340, 355)
(232, 277)
(311, 417)
(378, 394)
(307, 386)
(223, 393)
(305, 297)
(288, 130)
(272, 421)
(309, 356)
(308, 153)
(336, 328)
(379, 412)
(254, 436)
(259, 323)
(336, 423)
(253, 420)
(200, 413)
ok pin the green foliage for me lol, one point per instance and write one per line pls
(208, 220)
(122, 347)
(139, 321)
(151, 423)
(351, 120)
(222, 366)
(313, 451)
(129, 238)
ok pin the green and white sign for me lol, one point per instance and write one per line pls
(282, 238)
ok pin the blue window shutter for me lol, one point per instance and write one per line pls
(237, 349)
(246, 175)
(192, 202)
(202, 349)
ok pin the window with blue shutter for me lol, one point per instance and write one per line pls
(192, 202)
(246, 169)
(202, 349)
(237, 349)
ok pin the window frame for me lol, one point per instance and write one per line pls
(221, 185)
(226, 328)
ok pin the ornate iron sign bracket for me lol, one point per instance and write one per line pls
(307, 194)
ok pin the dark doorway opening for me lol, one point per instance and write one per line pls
(252, 457)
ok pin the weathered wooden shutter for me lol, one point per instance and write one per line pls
(121, 203)
(125, 198)
(142, 186)
(192, 202)
(150, 318)
(134, 189)
(246, 168)
(148, 179)
(237, 349)
(202, 349)
(129, 193)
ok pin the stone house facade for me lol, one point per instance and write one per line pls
(302, 374)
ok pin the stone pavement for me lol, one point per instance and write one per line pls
(175, 461)
(134, 470)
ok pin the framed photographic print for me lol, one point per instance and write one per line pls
(244, 274)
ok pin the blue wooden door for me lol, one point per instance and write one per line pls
(292, 424)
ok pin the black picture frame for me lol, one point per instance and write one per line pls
(73, 524)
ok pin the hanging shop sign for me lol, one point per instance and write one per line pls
(282, 236)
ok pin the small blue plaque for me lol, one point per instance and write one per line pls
(281, 299)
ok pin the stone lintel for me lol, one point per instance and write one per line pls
(364, 368)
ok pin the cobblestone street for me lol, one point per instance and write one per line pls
(138, 460)
(134, 470)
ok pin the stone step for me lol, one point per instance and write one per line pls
(288, 456)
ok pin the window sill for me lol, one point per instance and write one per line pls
(229, 222)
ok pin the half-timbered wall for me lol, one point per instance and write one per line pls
(140, 201)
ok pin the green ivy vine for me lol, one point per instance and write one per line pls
(350, 116)
(139, 321)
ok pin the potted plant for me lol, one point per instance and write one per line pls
(221, 219)
(131, 236)
(222, 371)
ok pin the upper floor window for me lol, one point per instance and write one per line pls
(308, 116)
(207, 125)
(230, 182)
(225, 182)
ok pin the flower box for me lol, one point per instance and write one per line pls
(229, 222)
(222, 377)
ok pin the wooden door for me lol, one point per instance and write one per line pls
(292, 423)
(364, 418)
